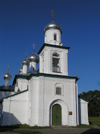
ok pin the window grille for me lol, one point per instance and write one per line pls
(58, 90)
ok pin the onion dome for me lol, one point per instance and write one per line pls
(7, 76)
(25, 62)
(53, 25)
(33, 57)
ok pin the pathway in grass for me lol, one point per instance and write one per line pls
(59, 131)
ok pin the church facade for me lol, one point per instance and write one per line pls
(48, 96)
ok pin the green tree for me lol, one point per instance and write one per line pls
(93, 98)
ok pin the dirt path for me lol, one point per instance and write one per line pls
(63, 131)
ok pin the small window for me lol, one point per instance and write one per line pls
(58, 90)
(55, 37)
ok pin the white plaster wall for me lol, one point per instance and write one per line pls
(47, 62)
(49, 37)
(33, 101)
(77, 105)
(15, 109)
(22, 84)
(0, 113)
(41, 63)
(32, 66)
(83, 112)
(47, 98)
(25, 69)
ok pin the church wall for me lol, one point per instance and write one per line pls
(15, 109)
(41, 101)
(49, 37)
(77, 106)
(33, 101)
(46, 61)
(83, 112)
(0, 113)
(25, 68)
(47, 96)
(22, 84)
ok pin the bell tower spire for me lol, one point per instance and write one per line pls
(53, 55)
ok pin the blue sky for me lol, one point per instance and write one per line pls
(22, 23)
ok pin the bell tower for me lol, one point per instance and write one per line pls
(53, 55)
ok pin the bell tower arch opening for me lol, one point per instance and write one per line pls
(56, 63)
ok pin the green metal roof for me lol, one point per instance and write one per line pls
(50, 45)
(28, 77)
(16, 94)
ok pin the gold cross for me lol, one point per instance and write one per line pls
(52, 13)
(33, 46)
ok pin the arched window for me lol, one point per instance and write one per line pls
(58, 89)
(56, 63)
(56, 54)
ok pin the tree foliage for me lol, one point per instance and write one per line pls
(93, 98)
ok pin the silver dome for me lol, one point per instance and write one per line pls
(25, 62)
(7, 76)
(53, 25)
(33, 57)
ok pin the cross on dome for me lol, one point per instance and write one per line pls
(33, 46)
(52, 13)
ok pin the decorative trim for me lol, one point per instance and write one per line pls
(45, 75)
(50, 45)
(19, 76)
(16, 94)
(2, 90)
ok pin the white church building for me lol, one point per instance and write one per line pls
(44, 97)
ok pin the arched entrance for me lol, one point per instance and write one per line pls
(56, 115)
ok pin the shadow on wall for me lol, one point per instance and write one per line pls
(8, 119)
(79, 110)
(92, 131)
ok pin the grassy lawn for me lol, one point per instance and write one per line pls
(27, 132)
(94, 121)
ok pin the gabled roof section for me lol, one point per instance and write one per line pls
(82, 99)
(16, 94)
(50, 45)
(23, 76)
